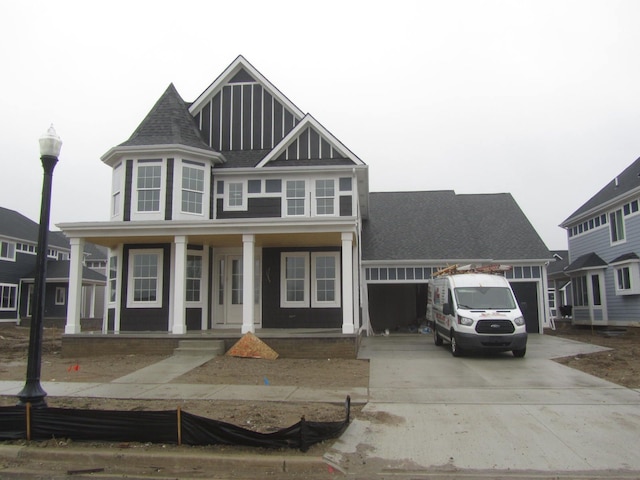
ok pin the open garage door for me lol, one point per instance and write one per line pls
(396, 307)
(527, 292)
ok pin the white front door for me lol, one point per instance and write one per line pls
(228, 296)
(233, 298)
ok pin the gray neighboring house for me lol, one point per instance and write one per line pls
(18, 246)
(410, 235)
(604, 242)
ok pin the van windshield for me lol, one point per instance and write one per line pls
(485, 298)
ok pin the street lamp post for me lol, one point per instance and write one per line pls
(32, 392)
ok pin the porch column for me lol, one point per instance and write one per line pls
(92, 307)
(347, 283)
(248, 259)
(179, 284)
(75, 286)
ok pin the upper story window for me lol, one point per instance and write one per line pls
(192, 189)
(148, 187)
(116, 191)
(325, 197)
(235, 198)
(296, 193)
(616, 223)
(8, 251)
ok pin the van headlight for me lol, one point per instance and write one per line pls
(465, 321)
(519, 321)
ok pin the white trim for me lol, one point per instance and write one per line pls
(157, 303)
(336, 302)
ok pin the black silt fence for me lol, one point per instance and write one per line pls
(171, 427)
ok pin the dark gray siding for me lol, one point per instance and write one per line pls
(259, 207)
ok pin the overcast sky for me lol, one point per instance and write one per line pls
(537, 98)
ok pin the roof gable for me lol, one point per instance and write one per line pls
(309, 141)
(626, 182)
(440, 225)
(242, 110)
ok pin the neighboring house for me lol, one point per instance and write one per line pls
(410, 235)
(240, 211)
(560, 299)
(18, 247)
(604, 241)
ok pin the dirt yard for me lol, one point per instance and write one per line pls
(265, 417)
(620, 365)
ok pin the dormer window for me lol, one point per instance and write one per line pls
(148, 186)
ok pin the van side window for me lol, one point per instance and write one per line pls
(450, 300)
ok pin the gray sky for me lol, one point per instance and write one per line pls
(537, 98)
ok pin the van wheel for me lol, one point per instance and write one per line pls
(519, 353)
(437, 339)
(456, 351)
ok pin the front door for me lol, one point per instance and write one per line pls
(228, 298)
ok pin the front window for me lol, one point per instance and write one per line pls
(325, 197)
(326, 279)
(145, 279)
(192, 189)
(295, 275)
(485, 298)
(580, 293)
(8, 297)
(194, 277)
(295, 197)
(616, 222)
(149, 182)
(61, 295)
(8, 251)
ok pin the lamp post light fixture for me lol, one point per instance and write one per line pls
(32, 392)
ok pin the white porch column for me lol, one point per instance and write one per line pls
(248, 260)
(75, 286)
(179, 284)
(347, 283)
(92, 307)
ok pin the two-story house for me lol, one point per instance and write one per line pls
(18, 248)
(239, 211)
(604, 241)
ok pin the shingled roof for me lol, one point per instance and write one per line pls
(625, 182)
(168, 123)
(440, 225)
(17, 226)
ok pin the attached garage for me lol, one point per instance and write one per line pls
(396, 307)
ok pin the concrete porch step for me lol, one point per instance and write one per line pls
(200, 347)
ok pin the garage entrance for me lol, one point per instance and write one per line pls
(397, 307)
(527, 292)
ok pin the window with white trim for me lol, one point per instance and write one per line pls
(8, 297)
(149, 182)
(116, 190)
(192, 189)
(144, 288)
(325, 197)
(627, 278)
(616, 226)
(310, 279)
(235, 198)
(194, 278)
(61, 295)
(580, 293)
(296, 194)
(8, 251)
(113, 278)
(325, 272)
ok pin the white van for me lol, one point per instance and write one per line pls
(476, 311)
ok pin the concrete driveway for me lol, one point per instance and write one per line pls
(430, 412)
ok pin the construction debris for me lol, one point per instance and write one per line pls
(250, 346)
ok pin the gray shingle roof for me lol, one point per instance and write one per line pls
(242, 158)
(588, 260)
(16, 225)
(440, 225)
(168, 123)
(558, 266)
(628, 180)
(59, 270)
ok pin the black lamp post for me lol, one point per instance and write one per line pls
(32, 391)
